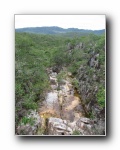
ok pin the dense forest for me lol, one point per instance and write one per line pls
(81, 57)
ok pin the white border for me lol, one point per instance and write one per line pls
(7, 11)
(105, 87)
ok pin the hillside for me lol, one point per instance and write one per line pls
(58, 30)
(60, 84)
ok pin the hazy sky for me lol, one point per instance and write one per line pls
(94, 22)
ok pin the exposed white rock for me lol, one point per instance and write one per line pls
(52, 97)
(85, 120)
(57, 126)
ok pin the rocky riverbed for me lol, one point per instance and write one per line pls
(62, 111)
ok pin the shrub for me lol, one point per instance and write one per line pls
(75, 83)
(25, 120)
(101, 96)
(76, 132)
(62, 75)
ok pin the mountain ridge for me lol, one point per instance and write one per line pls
(57, 30)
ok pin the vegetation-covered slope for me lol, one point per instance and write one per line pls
(83, 56)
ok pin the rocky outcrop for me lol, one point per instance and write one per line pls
(84, 126)
(79, 46)
(70, 46)
(31, 126)
(90, 76)
(88, 88)
(93, 62)
(57, 126)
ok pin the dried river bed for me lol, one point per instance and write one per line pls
(60, 105)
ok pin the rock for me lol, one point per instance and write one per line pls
(79, 46)
(22, 113)
(49, 70)
(62, 82)
(25, 130)
(57, 126)
(69, 74)
(53, 74)
(52, 97)
(54, 87)
(85, 126)
(85, 120)
(70, 46)
(96, 64)
(68, 115)
(61, 99)
(88, 86)
(72, 125)
(77, 116)
(31, 127)
(79, 108)
(53, 81)
(82, 122)
(60, 93)
(56, 69)
(93, 62)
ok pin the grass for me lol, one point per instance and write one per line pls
(76, 132)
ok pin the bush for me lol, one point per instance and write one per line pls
(75, 83)
(101, 96)
(76, 132)
(25, 120)
(62, 75)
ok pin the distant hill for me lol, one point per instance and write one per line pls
(58, 30)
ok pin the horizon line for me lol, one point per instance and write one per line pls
(58, 27)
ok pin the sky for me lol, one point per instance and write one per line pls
(93, 22)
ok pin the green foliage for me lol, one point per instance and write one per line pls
(91, 115)
(75, 83)
(25, 120)
(29, 104)
(34, 53)
(76, 132)
(101, 96)
(62, 75)
(19, 89)
(59, 57)
(41, 131)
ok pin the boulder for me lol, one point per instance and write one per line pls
(53, 81)
(85, 126)
(69, 74)
(57, 126)
(53, 74)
